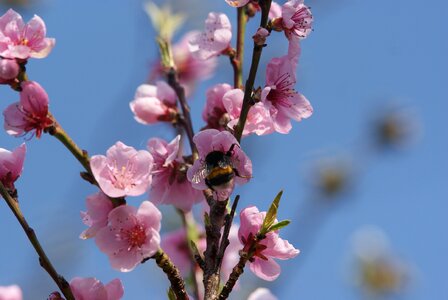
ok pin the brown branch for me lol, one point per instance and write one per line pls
(180, 92)
(256, 54)
(241, 30)
(213, 231)
(177, 283)
(44, 261)
(225, 235)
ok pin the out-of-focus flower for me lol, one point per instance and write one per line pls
(22, 41)
(237, 3)
(11, 165)
(124, 171)
(30, 113)
(189, 69)
(170, 184)
(296, 19)
(98, 208)
(214, 112)
(214, 39)
(175, 244)
(279, 96)
(332, 176)
(55, 296)
(154, 103)
(131, 235)
(216, 168)
(232, 254)
(378, 270)
(261, 294)
(395, 128)
(12, 292)
(93, 289)
(263, 264)
(258, 119)
(275, 11)
(9, 69)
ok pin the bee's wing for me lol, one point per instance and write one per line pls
(225, 162)
(200, 175)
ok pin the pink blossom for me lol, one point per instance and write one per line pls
(237, 3)
(11, 292)
(212, 140)
(154, 103)
(131, 235)
(215, 39)
(93, 289)
(261, 294)
(9, 69)
(124, 171)
(175, 244)
(30, 113)
(11, 165)
(22, 41)
(275, 11)
(98, 208)
(296, 19)
(263, 264)
(279, 96)
(214, 112)
(258, 120)
(170, 184)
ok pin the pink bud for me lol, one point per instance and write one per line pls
(92, 288)
(9, 69)
(260, 36)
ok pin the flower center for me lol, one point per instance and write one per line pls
(135, 236)
(282, 91)
(123, 177)
(24, 42)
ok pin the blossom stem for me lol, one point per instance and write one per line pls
(180, 92)
(192, 237)
(256, 54)
(241, 30)
(81, 155)
(177, 283)
(43, 258)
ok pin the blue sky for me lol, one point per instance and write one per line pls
(362, 58)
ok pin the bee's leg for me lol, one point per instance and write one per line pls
(238, 174)
(230, 152)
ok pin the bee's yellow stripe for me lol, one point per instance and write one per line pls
(220, 171)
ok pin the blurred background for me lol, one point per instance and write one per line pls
(365, 178)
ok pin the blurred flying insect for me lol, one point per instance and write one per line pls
(217, 170)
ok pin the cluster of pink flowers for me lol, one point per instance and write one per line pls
(129, 235)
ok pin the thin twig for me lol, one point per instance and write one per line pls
(241, 30)
(256, 54)
(225, 235)
(180, 92)
(43, 258)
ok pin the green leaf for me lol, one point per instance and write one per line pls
(171, 294)
(279, 225)
(271, 215)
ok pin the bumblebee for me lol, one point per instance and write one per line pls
(217, 170)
